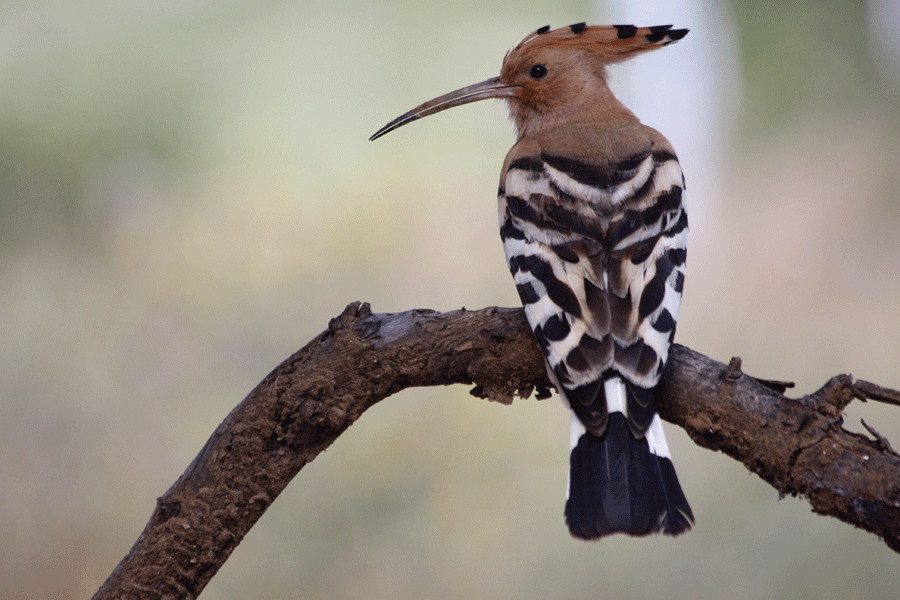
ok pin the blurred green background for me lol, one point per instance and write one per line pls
(187, 196)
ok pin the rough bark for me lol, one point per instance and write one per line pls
(796, 445)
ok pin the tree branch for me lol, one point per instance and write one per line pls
(300, 408)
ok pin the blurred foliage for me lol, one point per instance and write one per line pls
(187, 196)
(802, 55)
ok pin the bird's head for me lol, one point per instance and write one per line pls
(553, 75)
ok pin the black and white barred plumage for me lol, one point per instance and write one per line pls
(597, 252)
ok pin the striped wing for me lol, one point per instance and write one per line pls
(598, 255)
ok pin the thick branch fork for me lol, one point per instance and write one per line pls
(300, 408)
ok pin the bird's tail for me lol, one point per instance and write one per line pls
(621, 483)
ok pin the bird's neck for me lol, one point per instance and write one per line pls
(598, 107)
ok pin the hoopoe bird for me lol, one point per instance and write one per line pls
(593, 223)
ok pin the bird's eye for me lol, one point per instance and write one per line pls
(538, 71)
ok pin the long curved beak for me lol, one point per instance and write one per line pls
(491, 88)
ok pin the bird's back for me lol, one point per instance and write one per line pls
(595, 231)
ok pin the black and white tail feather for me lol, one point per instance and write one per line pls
(621, 483)
(597, 252)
